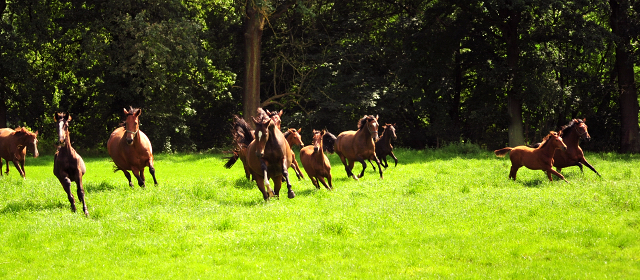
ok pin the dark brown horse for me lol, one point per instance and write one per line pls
(68, 166)
(359, 145)
(315, 162)
(130, 148)
(294, 139)
(384, 147)
(13, 147)
(269, 156)
(242, 137)
(540, 158)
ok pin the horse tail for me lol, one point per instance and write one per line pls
(241, 131)
(232, 160)
(502, 152)
(328, 141)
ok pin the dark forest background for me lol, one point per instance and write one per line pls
(493, 73)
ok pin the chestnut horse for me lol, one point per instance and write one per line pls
(13, 145)
(269, 156)
(540, 158)
(315, 162)
(359, 145)
(68, 166)
(130, 148)
(384, 147)
(294, 139)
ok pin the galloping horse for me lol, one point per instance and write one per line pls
(130, 148)
(242, 137)
(384, 147)
(540, 158)
(359, 145)
(68, 166)
(315, 162)
(13, 145)
(269, 156)
(293, 137)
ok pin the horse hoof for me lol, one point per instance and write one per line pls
(291, 194)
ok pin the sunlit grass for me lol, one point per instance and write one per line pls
(444, 213)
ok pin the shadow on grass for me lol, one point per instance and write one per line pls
(28, 205)
(91, 187)
(536, 183)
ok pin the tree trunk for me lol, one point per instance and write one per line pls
(514, 103)
(628, 100)
(253, 27)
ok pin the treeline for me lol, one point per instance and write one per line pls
(492, 72)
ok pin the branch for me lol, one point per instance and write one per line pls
(281, 9)
(277, 96)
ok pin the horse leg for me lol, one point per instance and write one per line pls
(137, 173)
(66, 184)
(277, 184)
(16, 162)
(347, 166)
(372, 166)
(584, 161)
(6, 161)
(323, 183)
(80, 192)
(514, 170)
(126, 174)
(315, 182)
(285, 174)
(296, 168)
(1, 168)
(379, 168)
(394, 158)
(260, 184)
(152, 170)
(364, 166)
(263, 166)
(579, 165)
(329, 180)
(551, 171)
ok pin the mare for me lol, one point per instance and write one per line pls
(352, 146)
(384, 147)
(68, 166)
(315, 162)
(130, 148)
(294, 139)
(242, 137)
(540, 158)
(571, 134)
(13, 145)
(269, 156)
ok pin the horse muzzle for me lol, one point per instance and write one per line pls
(316, 149)
(130, 141)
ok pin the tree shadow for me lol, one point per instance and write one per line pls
(91, 187)
(28, 205)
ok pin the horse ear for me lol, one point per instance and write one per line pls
(36, 133)
(138, 112)
(280, 113)
(299, 129)
(125, 111)
(584, 120)
(68, 117)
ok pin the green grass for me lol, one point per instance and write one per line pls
(449, 213)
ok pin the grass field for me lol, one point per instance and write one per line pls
(448, 213)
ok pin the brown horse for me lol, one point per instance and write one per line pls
(315, 162)
(294, 139)
(68, 166)
(269, 156)
(13, 145)
(359, 145)
(540, 158)
(242, 137)
(130, 148)
(384, 147)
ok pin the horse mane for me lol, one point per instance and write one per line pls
(289, 131)
(328, 141)
(566, 129)
(544, 141)
(132, 110)
(22, 131)
(362, 122)
(241, 131)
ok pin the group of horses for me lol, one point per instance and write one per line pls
(129, 148)
(266, 152)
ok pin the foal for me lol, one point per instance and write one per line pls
(293, 138)
(540, 158)
(384, 147)
(68, 166)
(315, 162)
(13, 147)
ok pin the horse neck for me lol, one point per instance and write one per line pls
(67, 139)
(385, 138)
(548, 149)
(572, 139)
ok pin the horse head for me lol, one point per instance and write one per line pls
(62, 120)
(581, 128)
(317, 140)
(555, 140)
(371, 123)
(390, 128)
(275, 116)
(131, 124)
(293, 137)
(29, 139)
(261, 134)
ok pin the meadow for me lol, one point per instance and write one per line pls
(446, 213)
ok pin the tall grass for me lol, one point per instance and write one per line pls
(439, 214)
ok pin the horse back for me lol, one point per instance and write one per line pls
(7, 143)
(343, 145)
(531, 158)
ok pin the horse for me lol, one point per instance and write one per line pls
(242, 137)
(131, 149)
(384, 147)
(13, 147)
(68, 166)
(540, 158)
(293, 137)
(571, 134)
(315, 162)
(269, 156)
(358, 145)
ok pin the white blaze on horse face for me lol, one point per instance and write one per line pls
(35, 148)
(259, 135)
(61, 131)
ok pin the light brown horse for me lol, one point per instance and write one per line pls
(68, 166)
(384, 147)
(540, 158)
(269, 156)
(130, 148)
(294, 139)
(13, 147)
(359, 145)
(315, 162)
